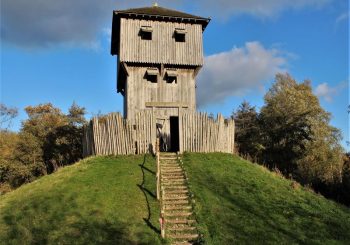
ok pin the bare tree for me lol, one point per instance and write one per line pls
(7, 114)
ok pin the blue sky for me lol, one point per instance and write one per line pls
(58, 52)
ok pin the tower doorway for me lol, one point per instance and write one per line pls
(174, 134)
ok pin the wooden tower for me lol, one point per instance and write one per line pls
(160, 52)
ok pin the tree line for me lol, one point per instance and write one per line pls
(292, 134)
(47, 140)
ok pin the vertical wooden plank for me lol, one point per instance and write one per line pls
(121, 135)
(180, 130)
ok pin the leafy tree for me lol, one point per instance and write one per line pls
(63, 146)
(48, 140)
(247, 131)
(59, 136)
(296, 133)
(346, 179)
(76, 115)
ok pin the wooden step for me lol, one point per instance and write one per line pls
(170, 182)
(177, 192)
(175, 202)
(168, 158)
(173, 177)
(181, 228)
(171, 170)
(173, 183)
(166, 194)
(178, 214)
(168, 162)
(166, 186)
(177, 207)
(175, 187)
(167, 153)
(166, 198)
(173, 174)
(183, 236)
(179, 221)
(169, 165)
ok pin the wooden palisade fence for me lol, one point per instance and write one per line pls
(114, 135)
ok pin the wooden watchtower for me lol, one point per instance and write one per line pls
(160, 52)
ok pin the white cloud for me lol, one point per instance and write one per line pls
(40, 24)
(266, 8)
(237, 72)
(342, 17)
(107, 32)
(326, 92)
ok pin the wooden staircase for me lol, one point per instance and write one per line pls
(177, 219)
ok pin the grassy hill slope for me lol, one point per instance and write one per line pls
(111, 200)
(240, 202)
(97, 201)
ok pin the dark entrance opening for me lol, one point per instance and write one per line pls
(174, 134)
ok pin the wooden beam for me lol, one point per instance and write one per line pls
(166, 104)
(125, 68)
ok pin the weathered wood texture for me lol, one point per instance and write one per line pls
(113, 135)
(142, 94)
(203, 134)
(162, 49)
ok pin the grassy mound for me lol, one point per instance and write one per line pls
(102, 200)
(240, 202)
(111, 200)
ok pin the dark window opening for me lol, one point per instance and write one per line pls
(171, 79)
(152, 75)
(146, 32)
(171, 76)
(146, 35)
(151, 78)
(180, 37)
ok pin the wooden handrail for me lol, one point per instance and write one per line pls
(158, 169)
(159, 197)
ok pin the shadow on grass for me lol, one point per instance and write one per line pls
(148, 193)
(275, 221)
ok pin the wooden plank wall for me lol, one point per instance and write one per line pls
(162, 48)
(140, 91)
(203, 134)
(113, 135)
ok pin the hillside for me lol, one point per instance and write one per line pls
(240, 202)
(96, 201)
(111, 200)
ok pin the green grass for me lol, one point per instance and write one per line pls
(97, 201)
(238, 202)
(111, 200)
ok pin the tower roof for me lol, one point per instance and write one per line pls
(158, 11)
(152, 13)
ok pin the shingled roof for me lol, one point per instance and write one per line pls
(159, 11)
